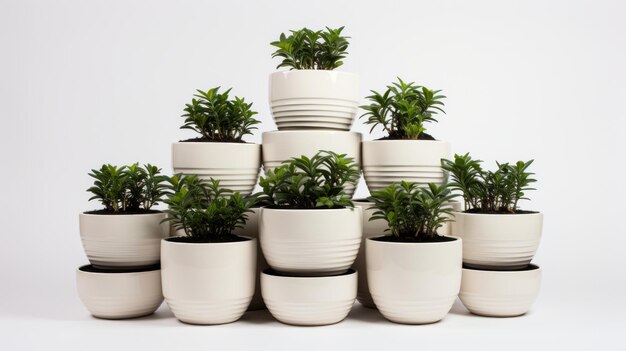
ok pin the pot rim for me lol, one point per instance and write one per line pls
(537, 213)
(130, 271)
(166, 240)
(321, 209)
(215, 143)
(321, 71)
(105, 215)
(457, 239)
(404, 141)
(532, 267)
(314, 131)
(270, 273)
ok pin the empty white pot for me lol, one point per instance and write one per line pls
(414, 283)
(317, 99)
(280, 146)
(309, 300)
(415, 161)
(119, 294)
(498, 241)
(236, 165)
(251, 229)
(311, 241)
(122, 240)
(500, 293)
(208, 283)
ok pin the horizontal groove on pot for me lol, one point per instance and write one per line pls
(242, 180)
(120, 307)
(378, 177)
(116, 253)
(330, 256)
(423, 311)
(314, 107)
(509, 305)
(315, 113)
(499, 252)
(208, 312)
(309, 313)
(314, 101)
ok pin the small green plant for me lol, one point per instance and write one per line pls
(315, 182)
(309, 49)
(412, 212)
(403, 109)
(206, 212)
(127, 188)
(218, 118)
(487, 191)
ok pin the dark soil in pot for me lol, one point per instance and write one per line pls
(413, 239)
(91, 269)
(529, 267)
(422, 136)
(270, 271)
(205, 140)
(501, 212)
(220, 239)
(130, 212)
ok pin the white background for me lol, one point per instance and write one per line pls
(86, 82)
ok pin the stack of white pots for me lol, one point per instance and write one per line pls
(124, 278)
(310, 251)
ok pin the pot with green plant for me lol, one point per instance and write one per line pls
(309, 225)
(497, 234)
(127, 232)
(407, 152)
(209, 273)
(220, 151)
(414, 274)
(311, 94)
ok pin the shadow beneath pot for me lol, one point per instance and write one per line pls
(364, 314)
(258, 317)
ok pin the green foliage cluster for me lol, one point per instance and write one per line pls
(205, 211)
(315, 182)
(488, 191)
(218, 118)
(403, 109)
(412, 211)
(310, 49)
(127, 188)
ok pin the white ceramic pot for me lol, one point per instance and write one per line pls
(119, 294)
(312, 241)
(251, 229)
(370, 229)
(309, 300)
(498, 241)
(279, 146)
(414, 283)
(500, 293)
(208, 283)
(236, 165)
(314, 99)
(123, 240)
(446, 228)
(415, 161)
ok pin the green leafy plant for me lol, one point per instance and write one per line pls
(309, 49)
(218, 118)
(412, 212)
(205, 211)
(403, 109)
(127, 188)
(486, 191)
(315, 182)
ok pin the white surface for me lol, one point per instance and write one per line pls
(82, 83)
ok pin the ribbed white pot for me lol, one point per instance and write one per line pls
(280, 146)
(122, 240)
(309, 301)
(498, 241)
(236, 165)
(500, 293)
(415, 161)
(119, 295)
(251, 229)
(208, 283)
(310, 242)
(414, 283)
(314, 99)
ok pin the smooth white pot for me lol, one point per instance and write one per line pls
(415, 161)
(251, 229)
(208, 283)
(119, 295)
(312, 241)
(498, 241)
(236, 165)
(123, 240)
(309, 300)
(500, 293)
(414, 283)
(317, 99)
(279, 146)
